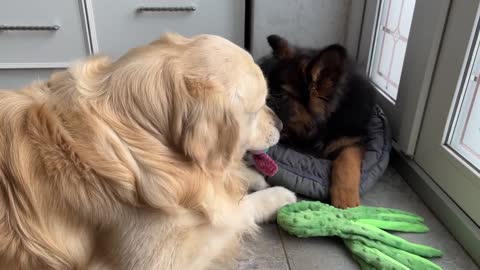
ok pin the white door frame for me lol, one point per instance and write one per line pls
(424, 41)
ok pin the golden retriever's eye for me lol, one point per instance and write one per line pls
(253, 115)
(259, 109)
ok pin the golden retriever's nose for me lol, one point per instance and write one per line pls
(278, 123)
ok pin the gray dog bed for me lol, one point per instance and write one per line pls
(310, 176)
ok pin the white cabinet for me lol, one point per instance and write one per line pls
(37, 37)
(117, 26)
(19, 77)
(40, 34)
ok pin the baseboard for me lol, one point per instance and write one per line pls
(457, 222)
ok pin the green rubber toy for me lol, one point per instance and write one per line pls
(362, 230)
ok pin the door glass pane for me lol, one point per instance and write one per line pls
(466, 125)
(391, 38)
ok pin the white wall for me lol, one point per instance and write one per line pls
(308, 23)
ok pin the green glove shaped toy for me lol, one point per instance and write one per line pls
(362, 230)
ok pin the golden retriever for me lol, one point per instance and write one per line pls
(136, 163)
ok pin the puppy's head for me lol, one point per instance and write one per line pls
(204, 96)
(305, 81)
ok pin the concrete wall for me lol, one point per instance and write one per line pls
(309, 23)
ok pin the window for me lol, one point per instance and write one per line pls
(448, 144)
(399, 45)
(465, 139)
(391, 38)
(434, 109)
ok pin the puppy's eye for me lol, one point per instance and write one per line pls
(326, 99)
(287, 88)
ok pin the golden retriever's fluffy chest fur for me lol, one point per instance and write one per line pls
(178, 243)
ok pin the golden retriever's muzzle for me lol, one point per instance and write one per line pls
(277, 122)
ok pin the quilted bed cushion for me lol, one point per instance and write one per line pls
(310, 176)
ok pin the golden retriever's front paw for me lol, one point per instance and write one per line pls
(282, 196)
(258, 183)
(265, 203)
(258, 186)
(345, 197)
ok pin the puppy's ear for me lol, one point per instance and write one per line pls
(281, 48)
(329, 64)
(210, 131)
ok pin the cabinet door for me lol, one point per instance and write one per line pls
(117, 26)
(41, 34)
(14, 79)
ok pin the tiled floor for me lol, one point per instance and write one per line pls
(275, 250)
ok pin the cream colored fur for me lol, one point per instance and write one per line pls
(137, 163)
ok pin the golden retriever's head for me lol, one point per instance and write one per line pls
(203, 96)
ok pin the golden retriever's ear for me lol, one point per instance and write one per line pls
(200, 89)
(210, 132)
(210, 139)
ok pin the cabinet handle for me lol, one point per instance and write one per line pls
(4, 27)
(167, 9)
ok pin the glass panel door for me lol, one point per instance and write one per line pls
(465, 139)
(449, 141)
(391, 39)
(398, 49)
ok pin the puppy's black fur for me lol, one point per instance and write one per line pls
(319, 95)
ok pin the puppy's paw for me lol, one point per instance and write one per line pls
(344, 197)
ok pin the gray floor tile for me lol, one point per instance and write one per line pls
(316, 253)
(265, 252)
(330, 254)
(392, 191)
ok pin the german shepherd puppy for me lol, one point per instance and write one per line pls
(325, 105)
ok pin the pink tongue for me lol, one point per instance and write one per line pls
(265, 164)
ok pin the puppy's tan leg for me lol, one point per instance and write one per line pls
(345, 182)
(264, 204)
